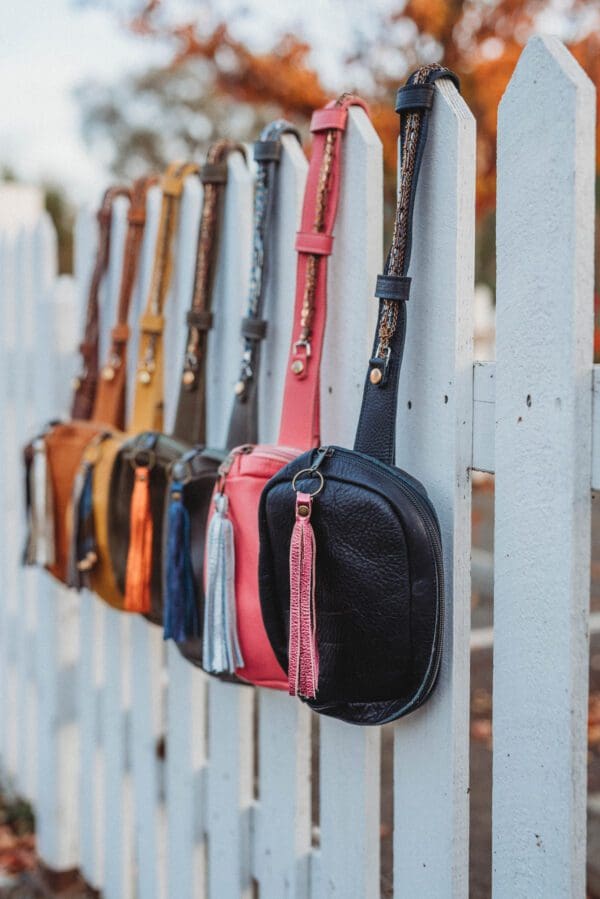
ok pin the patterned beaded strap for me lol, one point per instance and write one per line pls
(243, 423)
(376, 431)
(190, 420)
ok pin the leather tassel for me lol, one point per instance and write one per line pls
(181, 618)
(139, 558)
(220, 646)
(40, 542)
(303, 668)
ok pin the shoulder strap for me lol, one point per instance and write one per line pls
(376, 431)
(300, 419)
(190, 420)
(109, 407)
(85, 383)
(149, 393)
(243, 422)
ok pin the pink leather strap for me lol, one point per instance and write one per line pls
(300, 419)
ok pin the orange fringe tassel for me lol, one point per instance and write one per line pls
(139, 558)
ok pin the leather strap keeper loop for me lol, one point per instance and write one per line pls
(254, 328)
(120, 334)
(152, 324)
(86, 349)
(393, 287)
(201, 319)
(415, 96)
(267, 151)
(136, 216)
(325, 119)
(213, 173)
(172, 185)
(314, 243)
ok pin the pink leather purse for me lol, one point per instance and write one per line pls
(234, 638)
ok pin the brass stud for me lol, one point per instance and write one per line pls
(176, 495)
(303, 511)
(297, 366)
(144, 376)
(239, 388)
(188, 378)
(76, 383)
(108, 373)
(375, 376)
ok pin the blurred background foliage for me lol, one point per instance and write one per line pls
(214, 83)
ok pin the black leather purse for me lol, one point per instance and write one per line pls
(351, 570)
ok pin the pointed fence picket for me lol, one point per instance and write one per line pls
(543, 471)
(157, 781)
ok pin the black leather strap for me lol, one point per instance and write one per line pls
(376, 431)
(243, 423)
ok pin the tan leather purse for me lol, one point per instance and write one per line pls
(90, 545)
(52, 458)
(141, 471)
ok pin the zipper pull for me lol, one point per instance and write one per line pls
(324, 452)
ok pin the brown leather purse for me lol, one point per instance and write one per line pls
(141, 469)
(90, 546)
(88, 560)
(52, 458)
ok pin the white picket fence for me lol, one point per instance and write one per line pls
(87, 695)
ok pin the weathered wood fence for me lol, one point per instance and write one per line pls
(158, 782)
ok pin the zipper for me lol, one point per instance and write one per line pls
(427, 516)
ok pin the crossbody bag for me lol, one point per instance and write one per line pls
(351, 569)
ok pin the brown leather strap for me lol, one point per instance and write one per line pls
(109, 407)
(85, 383)
(149, 394)
(190, 421)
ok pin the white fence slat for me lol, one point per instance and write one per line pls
(434, 443)
(282, 825)
(186, 697)
(230, 707)
(115, 821)
(57, 644)
(596, 429)
(484, 416)
(349, 805)
(147, 673)
(545, 228)
(22, 582)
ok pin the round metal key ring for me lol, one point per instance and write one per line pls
(313, 472)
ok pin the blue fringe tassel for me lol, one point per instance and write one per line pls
(181, 619)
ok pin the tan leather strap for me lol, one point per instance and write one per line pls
(85, 383)
(149, 394)
(190, 421)
(109, 407)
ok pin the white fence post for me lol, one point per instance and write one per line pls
(431, 749)
(348, 862)
(282, 826)
(186, 697)
(229, 788)
(545, 230)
